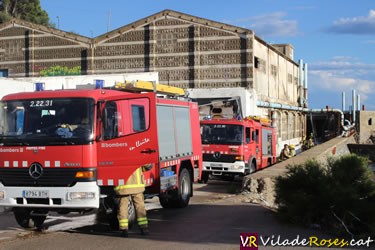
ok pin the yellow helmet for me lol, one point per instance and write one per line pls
(291, 146)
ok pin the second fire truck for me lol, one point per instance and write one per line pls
(236, 146)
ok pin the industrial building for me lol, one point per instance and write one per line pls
(209, 58)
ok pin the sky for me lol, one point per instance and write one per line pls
(336, 38)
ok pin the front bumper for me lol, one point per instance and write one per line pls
(83, 195)
(219, 168)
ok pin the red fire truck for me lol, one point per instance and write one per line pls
(65, 150)
(236, 147)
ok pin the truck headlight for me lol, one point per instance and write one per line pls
(2, 195)
(81, 196)
(236, 167)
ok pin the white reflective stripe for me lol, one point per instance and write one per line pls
(121, 182)
(6, 164)
(100, 182)
(110, 182)
(24, 164)
(15, 164)
(57, 164)
(47, 164)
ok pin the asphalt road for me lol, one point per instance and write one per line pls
(213, 220)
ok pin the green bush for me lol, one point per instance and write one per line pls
(338, 196)
(61, 71)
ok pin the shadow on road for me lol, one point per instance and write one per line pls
(219, 186)
(208, 223)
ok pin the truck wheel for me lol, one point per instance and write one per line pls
(165, 201)
(25, 220)
(252, 168)
(181, 197)
(107, 213)
(184, 189)
(113, 219)
(205, 177)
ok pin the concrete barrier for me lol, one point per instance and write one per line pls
(259, 187)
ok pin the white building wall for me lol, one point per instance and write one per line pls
(261, 69)
(273, 77)
(248, 97)
(15, 85)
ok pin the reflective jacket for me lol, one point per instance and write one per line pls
(135, 184)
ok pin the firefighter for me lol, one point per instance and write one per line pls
(133, 189)
(305, 144)
(285, 153)
(292, 150)
(311, 143)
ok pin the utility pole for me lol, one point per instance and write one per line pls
(109, 20)
(58, 22)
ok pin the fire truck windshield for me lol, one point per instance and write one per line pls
(46, 121)
(222, 134)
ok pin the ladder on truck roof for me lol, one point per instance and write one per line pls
(148, 86)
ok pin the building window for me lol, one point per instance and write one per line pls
(166, 40)
(290, 78)
(370, 121)
(296, 80)
(3, 73)
(273, 70)
(260, 64)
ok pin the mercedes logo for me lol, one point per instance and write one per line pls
(217, 155)
(35, 171)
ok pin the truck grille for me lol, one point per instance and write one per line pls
(220, 158)
(51, 177)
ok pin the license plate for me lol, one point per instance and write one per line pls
(35, 194)
(216, 165)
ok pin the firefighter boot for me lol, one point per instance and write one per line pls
(145, 231)
(125, 233)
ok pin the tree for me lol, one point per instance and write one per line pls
(28, 10)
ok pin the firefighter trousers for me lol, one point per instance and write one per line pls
(140, 210)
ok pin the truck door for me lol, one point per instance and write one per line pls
(256, 139)
(128, 138)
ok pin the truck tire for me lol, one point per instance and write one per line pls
(26, 220)
(252, 167)
(205, 177)
(181, 197)
(107, 213)
(165, 201)
(184, 189)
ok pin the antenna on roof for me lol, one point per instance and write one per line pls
(109, 20)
